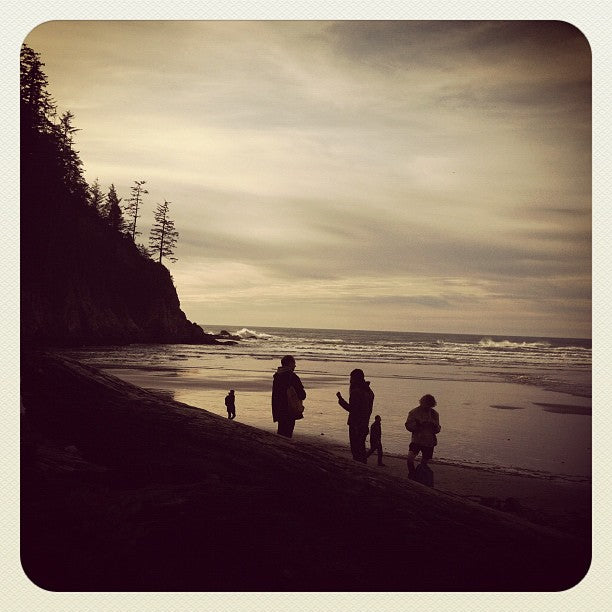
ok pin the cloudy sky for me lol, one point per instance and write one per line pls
(390, 175)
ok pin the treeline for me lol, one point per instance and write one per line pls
(163, 236)
(50, 137)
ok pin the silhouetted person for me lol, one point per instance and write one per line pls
(376, 439)
(424, 423)
(285, 377)
(230, 404)
(359, 406)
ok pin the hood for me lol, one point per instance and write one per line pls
(282, 370)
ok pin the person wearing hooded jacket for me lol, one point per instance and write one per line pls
(283, 378)
(423, 423)
(359, 407)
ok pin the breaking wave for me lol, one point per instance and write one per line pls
(246, 333)
(508, 344)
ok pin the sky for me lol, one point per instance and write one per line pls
(386, 175)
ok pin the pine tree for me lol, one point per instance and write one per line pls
(163, 237)
(112, 211)
(132, 209)
(69, 158)
(96, 198)
(37, 106)
(48, 157)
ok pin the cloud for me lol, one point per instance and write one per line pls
(352, 170)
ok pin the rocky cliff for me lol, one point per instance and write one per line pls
(82, 283)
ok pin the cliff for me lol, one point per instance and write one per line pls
(82, 283)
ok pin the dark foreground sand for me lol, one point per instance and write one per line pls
(123, 490)
(560, 503)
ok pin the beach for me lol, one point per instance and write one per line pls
(125, 489)
(520, 405)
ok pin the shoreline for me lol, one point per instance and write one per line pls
(456, 463)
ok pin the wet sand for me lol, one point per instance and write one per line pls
(483, 420)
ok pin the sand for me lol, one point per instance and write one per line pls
(125, 490)
(553, 502)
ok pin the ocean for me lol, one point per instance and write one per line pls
(515, 404)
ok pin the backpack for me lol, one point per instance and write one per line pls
(295, 408)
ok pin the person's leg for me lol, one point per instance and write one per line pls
(380, 454)
(363, 455)
(413, 451)
(353, 442)
(426, 455)
(285, 427)
(357, 440)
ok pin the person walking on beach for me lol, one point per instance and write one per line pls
(376, 439)
(359, 407)
(424, 423)
(284, 379)
(230, 404)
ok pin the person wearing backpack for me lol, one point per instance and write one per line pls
(283, 381)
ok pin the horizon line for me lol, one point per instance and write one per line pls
(391, 331)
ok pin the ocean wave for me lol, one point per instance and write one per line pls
(246, 333)
(508, 344)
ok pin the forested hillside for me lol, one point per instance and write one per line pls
(83, 278)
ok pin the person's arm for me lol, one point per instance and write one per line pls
(412, 424)
(343, 402)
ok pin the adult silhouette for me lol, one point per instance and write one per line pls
(283, 379)
(359, 407)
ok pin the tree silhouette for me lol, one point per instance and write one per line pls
(69, 158)
(48, 157)
(163, 237)
(112, 211)
(144, 251)
(96, 197)
(36, 104)
(132, 209)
